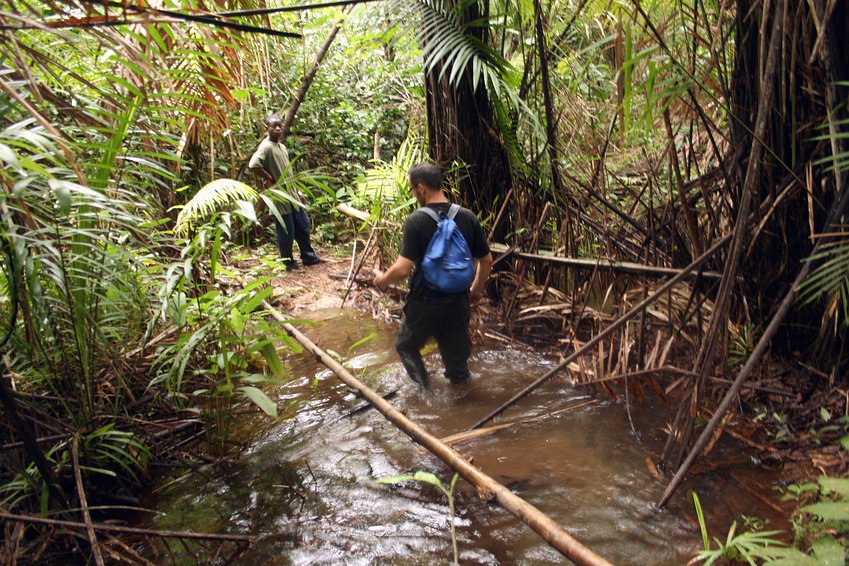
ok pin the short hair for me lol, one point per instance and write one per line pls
(272, 118)
(427, 174)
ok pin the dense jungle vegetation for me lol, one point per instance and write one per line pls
(695, 148)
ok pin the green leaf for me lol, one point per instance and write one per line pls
(395, 479)
(247, 210)
(259, 378)
(362, 341)
(62, 191)
(829, 552)
(8, 156)
(844, 442)
(427, 477)
(838, 511)
(783, 557)
(272, 359)
(260, 399)
(701, 519)
(836, 485)
(211, 198)
(256, 300)
(45, 499)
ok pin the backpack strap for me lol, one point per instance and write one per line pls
(452, 212)
(430, 212)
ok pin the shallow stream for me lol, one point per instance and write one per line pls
(306, 487)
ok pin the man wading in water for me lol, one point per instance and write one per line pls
(429, 312)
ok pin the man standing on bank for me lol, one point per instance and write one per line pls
(427, 311)
(268, 164)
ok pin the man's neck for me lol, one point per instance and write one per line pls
(435, 198)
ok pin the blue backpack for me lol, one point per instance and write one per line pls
(448, 265)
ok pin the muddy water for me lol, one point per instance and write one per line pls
(306, 486)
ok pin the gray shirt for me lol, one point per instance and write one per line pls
(274, 159)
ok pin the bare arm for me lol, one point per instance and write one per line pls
(263, 178)
(398, 271)
(481, 277)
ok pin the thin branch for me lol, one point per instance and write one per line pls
(92, 538)
(211, 20)
(128, 530)
(298, 8)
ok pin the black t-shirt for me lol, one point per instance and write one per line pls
(419, 228)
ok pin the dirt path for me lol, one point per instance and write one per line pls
(311, 288)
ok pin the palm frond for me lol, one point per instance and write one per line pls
(212, 197)
(831, 277)
(386, 182)
(449, 43)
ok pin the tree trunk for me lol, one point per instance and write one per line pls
(813, 71)
(462, 131)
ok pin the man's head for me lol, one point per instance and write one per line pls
(424, 178)
(274, 125)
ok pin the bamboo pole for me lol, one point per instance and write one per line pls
(355, 271)
(550, 531)
(606, 264)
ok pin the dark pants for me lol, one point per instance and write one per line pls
(447, 320)
(296, 229)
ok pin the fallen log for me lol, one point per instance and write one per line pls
(352, 212)
(550, 531)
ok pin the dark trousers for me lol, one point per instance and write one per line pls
(296, 229)
(447, 320)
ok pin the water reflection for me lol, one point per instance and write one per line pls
(307, 487)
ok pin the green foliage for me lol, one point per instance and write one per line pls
(431, 479)
(829, 280)
(451, 46)
(741, 345)
(213, 197)
(103, 452)
(833, 504)
(224, 337)
(825, 521)
(369, 85)
(81, 285)
(364, 340)
(386, 184)
(824, 552)
(107, 448)
(736, 548)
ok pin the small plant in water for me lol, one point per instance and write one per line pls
(740, 548)
(427, 477)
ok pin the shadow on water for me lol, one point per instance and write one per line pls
(306, 487)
